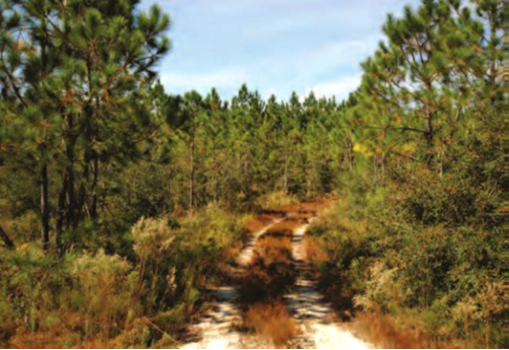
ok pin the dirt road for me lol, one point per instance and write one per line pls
(317, 323)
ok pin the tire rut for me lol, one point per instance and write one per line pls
(317, 320)
(216, 329)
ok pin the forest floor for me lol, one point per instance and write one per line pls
(296, 316)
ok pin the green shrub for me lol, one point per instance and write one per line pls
(86, 293)
(421, 244)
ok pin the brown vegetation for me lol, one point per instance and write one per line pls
(271, 272)
(271, 321)
(284, 228)
(314, 254)
(310, 208)
(257, 223)
(263, 285)
(386, 333)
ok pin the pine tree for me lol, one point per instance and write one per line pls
(429, 52)
(77, 77)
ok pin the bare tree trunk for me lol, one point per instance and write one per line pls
(44, 208)
(8, 243)
(67, 206)
(309, 178)
(81, 203)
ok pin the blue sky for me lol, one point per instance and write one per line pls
(275, 46)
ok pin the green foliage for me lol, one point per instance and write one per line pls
(139, 193)
(92, 292)
(431, 246)
(104, 296)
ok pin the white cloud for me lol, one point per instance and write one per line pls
(275, 46)
(345, 54)
(340, 88)
(224, 79)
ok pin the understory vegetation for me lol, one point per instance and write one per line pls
(96, 299)
(120, 202)
(421, 266)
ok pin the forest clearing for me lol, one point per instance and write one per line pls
(254, 174)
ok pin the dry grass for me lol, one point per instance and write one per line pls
(284, 228)
(315, 206)
(276, 200)
(229, 253)
(271, 321)
(301, 215)
(253, 225)
(271, 272)
(384, 331)
(273, 250)
(59, 337)
(315, 255)
(257, 223)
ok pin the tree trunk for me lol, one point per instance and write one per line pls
(429, 137)
(8, 243)
(191, 178)
(285, 175)
(44, 208)
(351, 159)
(95, 179)
(71, 197)
(61, 211)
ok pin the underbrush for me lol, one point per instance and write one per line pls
(275, 200)
(92, 299)
(418, 260)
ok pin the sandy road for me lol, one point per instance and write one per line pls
(216, 328)
(319, 328)
(317, 320)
